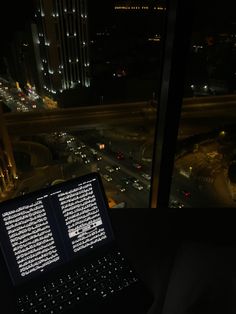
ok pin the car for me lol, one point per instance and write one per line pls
(83, 155)
(107, 177)
(120, 155)
(98, 157)
(176, 204)
(82, 145)
(137, 166)
(200, 89)
(133, 179)
(137, 186)
(125, 180)
(185, 193)
(86, 160)
(23, 191)
(109, 169)
(146, 176)
(93, 151)
(121, 188)
(115, 167)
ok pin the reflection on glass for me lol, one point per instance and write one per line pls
(205, 157)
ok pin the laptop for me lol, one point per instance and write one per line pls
(59, 254)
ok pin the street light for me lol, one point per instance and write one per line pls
(222, 133)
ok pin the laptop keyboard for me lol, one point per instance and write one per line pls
(99, 279)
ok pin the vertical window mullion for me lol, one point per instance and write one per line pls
(177, 34)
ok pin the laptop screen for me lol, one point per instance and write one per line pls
(47, 228)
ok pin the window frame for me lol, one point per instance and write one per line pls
(176, 40)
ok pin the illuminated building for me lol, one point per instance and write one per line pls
(61, 44)
(7, 163)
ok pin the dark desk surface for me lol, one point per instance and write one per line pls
(196, 269)
(145, 239)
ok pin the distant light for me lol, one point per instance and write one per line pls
(205, 86)
(222, 133)
(192, 86)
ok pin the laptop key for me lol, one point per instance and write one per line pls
(60, 308)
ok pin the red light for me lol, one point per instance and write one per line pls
(187, 194)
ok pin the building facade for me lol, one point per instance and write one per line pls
(61, 42)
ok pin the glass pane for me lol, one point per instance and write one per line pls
(204, 174)
(79, 88)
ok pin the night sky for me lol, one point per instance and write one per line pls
(14, 14)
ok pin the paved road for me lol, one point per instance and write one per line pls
(210, 111)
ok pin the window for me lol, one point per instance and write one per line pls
(119, 70)
(123, 117)
(204, 168)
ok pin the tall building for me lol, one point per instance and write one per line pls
(20, 61)
(60, 35)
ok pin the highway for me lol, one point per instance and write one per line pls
(198, 115)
